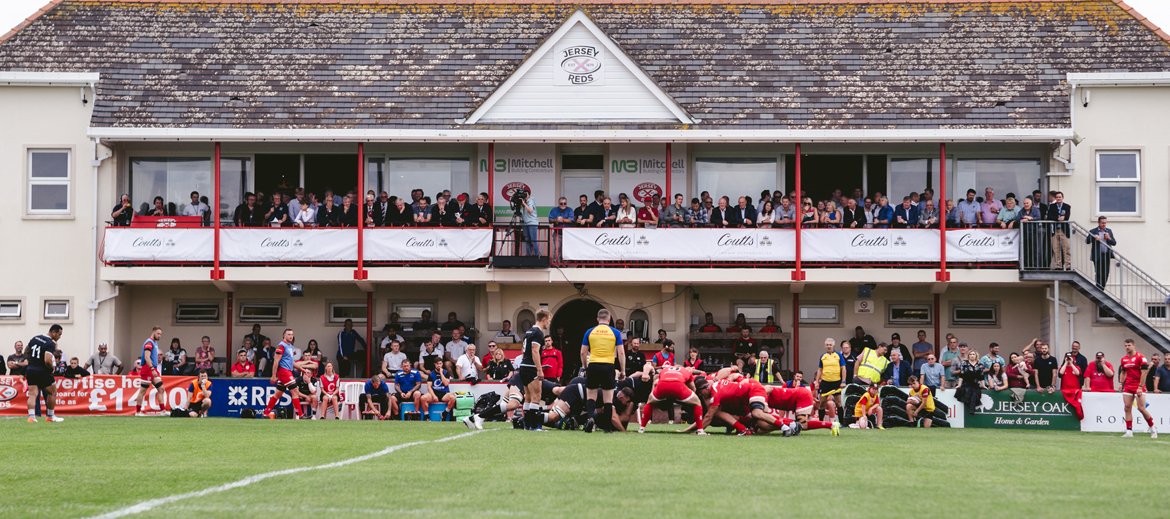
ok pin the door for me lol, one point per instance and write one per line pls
(581, 182)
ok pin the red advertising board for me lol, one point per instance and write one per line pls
(95, 395)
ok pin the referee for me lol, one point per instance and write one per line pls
(531, 376)
(601, 344)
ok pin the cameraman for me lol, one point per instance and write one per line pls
(528, 218)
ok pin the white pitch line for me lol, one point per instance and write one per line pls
(155, 503)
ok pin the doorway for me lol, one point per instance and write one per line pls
(336, 172)
(574, 318)
(277, 173)
(823, 174)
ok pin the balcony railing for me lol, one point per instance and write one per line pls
(604, 247)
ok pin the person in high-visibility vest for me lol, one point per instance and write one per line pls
(870, 365)
(765, 369)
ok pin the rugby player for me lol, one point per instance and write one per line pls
(599, 348)
(830, 370)
(675, 385)
(39, 374)
(800, 402)
(148, 374)
(869, 404)
(921, 400)
(568, 406)
(531, 375)
(730, 400)
(1133, 391)
(284, 378)
(513, 396)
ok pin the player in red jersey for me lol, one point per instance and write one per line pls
(675, 384)
(288, 361)
(148, 374)
(330, 387)
(1134, 365)
(732, 400)
(800, 402)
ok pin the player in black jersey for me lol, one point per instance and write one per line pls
(40, 373)
(530, 371)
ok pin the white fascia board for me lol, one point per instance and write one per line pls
(1119, 79)
(66, 79)
(584, 135)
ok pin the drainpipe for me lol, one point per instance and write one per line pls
(95, 302)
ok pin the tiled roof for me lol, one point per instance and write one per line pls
(780, 65)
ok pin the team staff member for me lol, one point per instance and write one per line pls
(830, 369)
(921, 401)
(39, 373)
(531, 376)
(870, 365)
(599, 347)
(199, 396)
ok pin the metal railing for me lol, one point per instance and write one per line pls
(1055, 247)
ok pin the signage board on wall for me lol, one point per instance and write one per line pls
(574, 65)
(639, 171)
(999, 410)
(531, 167)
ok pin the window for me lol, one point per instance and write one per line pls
(172, 178)
(261, 313)
(411, 312)
(430, 175)
(1118, 183)
(1019, 176)
(906, 175)
(339, 312)
(974, 315)
(1105, 316)
(235, 175)
(639, 324)
(197, 313)
(48, 182)
(820, 314)
(10, 309)
(755, 314)
(524, 320)
(1156, 311)
(908, 313)
(56, 309)
(733, 177)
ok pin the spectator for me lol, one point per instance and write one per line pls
(551, 361)
(871, 364)
(770, 326)
(256, 337)
(675, 214)
(392, 334)
(661, 336)
(952, 215)
(928, 217)
(243, 368)
(248, 214)
(374, 400)
(952, 362)
(1162, 376)
(970, 381)
(430, 353)
(627, 216)
(561, 215)
(990, 208)
(932, 373)
(452, 323)
(583, 214)
(196, 207)
(831, 217)
(621, 326)
(424, 323)
(468, 367)
(60, 365)
(739, 325)
(697, 215)
(498, 368)
(606, 214)
(764, 368)
(992, 357)
(885, 214)
(862, 340)
(305, 217)
(906, 215)
(649, 213)
(850, 358)
(439, 385)
(266, 354)
(694, 359)
(392, 360)
(921, 349)
(205, 356)
(159, 208)
(1044, 364)
(744, 214)
(852, 217)
(1018, 374)
(491, 353)
(899, 371)
(277, 214)
(296, 202)
(480, 214)
(1070, 386)
(122, 213)
(454, 347)
(407, 386)
(896, 345)
(330, 392)
(766, 216)
(103, 362)
(441, 214)
(1081, 361)
(870, 404)
(665, 356)
(722, 215)
(506, 334)
(1102, 240)
(75, 371)
(313, 351)
(199, 396)
(744, 348)
(1155, 363)
(349, 212)
(531, 223)
(996, 379)
(174, 362)
(709, 325)
(350, 349)
(1009, 216)
(969, 210)
(328, 214)
(635, 359)
(1058, 211)
(1100, 374)
(797, 377)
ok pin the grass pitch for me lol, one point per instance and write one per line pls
(91, 466)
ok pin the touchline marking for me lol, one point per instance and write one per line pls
(155, 503)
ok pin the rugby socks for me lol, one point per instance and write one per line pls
(271, 404)
(1129, 425)
(782, 422)
(647, 411)
(698, 417)
(739, 427)
(591, 408)
(297, 406)
(818, 424)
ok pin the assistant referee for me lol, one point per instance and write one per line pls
(600, 346)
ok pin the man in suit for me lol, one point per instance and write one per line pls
(382, 210)
(853, 217)
(905, 215)
(722, 216)
(743, 215)
(1103, 241)
(898, 371)
(1058, 213)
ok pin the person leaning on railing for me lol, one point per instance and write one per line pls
(696, 215)
(1008, 217)
(1059, 212)
(675, 214)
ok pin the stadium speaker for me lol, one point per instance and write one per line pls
(296, 289)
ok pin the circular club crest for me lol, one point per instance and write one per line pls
(645, 192)
(512, 187)
(7, 392)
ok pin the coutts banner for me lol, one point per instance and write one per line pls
(638, 244)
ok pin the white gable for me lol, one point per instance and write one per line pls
(579, 75)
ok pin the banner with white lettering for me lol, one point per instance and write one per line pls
(1105, 412)
(983, 245)
(716, 245)
(639, 170)
(147, 244)
(531, 167)
(285, 244)
(415, 244)
(870, 245)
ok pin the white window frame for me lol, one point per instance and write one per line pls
(836, 307)
(1098, 318)
(333, 319)
(178, 321)
(1158, 306)
(259, 304)
(890, 307)
(630, 324)
(407, 321)
(66, 181)
(1135, 183)
(975, 306)
(18, 316)
(49, 317)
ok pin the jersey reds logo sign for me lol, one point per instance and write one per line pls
(579, 65)
(646, 191)
(511, 187)
(7, 392)
(166, 222)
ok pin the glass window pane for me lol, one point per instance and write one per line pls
(235, 174)
(1117, 166)
(49, 164)
(755, 314)
(823, 314)
(909, 175)
(1117, 199)
(735, 177)
(430, 175)
(52, 197)
(171, 178)
(375, 175)
(1005, 176)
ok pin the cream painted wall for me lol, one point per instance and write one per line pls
(1125, 118)
(48, 257)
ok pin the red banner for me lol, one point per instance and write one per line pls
(95, 395)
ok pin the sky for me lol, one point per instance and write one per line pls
(13, 12)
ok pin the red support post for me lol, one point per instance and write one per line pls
(798, 273)
(361, 272)
(216, 272)
(794, 345)
(369, 331)
(942, 276)
(668, 195)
